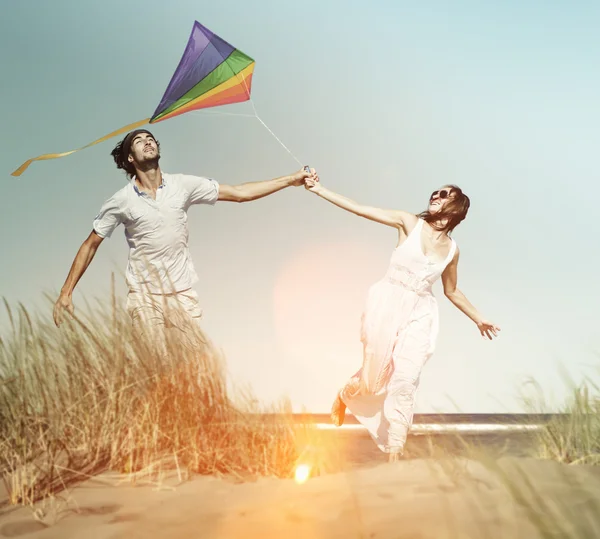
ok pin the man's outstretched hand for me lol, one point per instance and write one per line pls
(63, 303)
(298, 178)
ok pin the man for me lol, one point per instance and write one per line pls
(153, 208)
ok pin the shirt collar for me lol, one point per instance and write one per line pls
(141, 193)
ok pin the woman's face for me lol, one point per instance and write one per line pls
(439, 199)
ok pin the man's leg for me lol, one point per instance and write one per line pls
(183, 318)
(147, 318)
(184, 326)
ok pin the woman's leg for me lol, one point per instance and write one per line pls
(410, 355)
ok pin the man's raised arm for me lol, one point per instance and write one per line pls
(247, 192)
(82, 260)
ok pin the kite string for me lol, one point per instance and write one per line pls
(221, 113)
(274, 135)
(255, 115)
(264, 124)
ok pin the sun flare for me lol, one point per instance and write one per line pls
(302, 473)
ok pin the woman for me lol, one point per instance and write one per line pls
(400, 321)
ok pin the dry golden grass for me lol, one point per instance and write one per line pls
(91, 397)
(573, 435)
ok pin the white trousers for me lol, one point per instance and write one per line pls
(155, 315)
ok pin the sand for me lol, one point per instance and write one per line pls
(413, 499)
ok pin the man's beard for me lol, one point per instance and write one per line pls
(150, 162)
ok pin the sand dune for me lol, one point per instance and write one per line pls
(410, 499)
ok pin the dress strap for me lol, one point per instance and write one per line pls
(417, 230)
(451, 253)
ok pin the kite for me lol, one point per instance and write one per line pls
(211, 73)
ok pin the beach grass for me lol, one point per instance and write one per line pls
(570, 439)
(572, 436)
(91, 397)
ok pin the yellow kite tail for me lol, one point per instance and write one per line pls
(125, 129)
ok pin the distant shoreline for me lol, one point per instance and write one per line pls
(444, 419)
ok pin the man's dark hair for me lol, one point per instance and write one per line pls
(121, 151)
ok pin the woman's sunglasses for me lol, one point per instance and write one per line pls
(442, 193)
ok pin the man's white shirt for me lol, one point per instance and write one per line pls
(157, 230)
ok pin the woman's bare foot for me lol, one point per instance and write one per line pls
(394, 457)
(338, 411)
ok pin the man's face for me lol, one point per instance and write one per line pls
(143, 149)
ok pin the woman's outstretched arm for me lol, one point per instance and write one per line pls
(460, 301)
(393, 218)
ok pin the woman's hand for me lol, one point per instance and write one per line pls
(312, 182)
(487, 329)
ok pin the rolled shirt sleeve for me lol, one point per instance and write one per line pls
(109, 218)
(201, 190)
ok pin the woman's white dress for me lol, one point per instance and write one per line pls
(399, 331)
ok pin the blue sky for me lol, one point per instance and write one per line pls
(388, 100)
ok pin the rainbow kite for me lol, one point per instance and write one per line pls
(211, 73)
